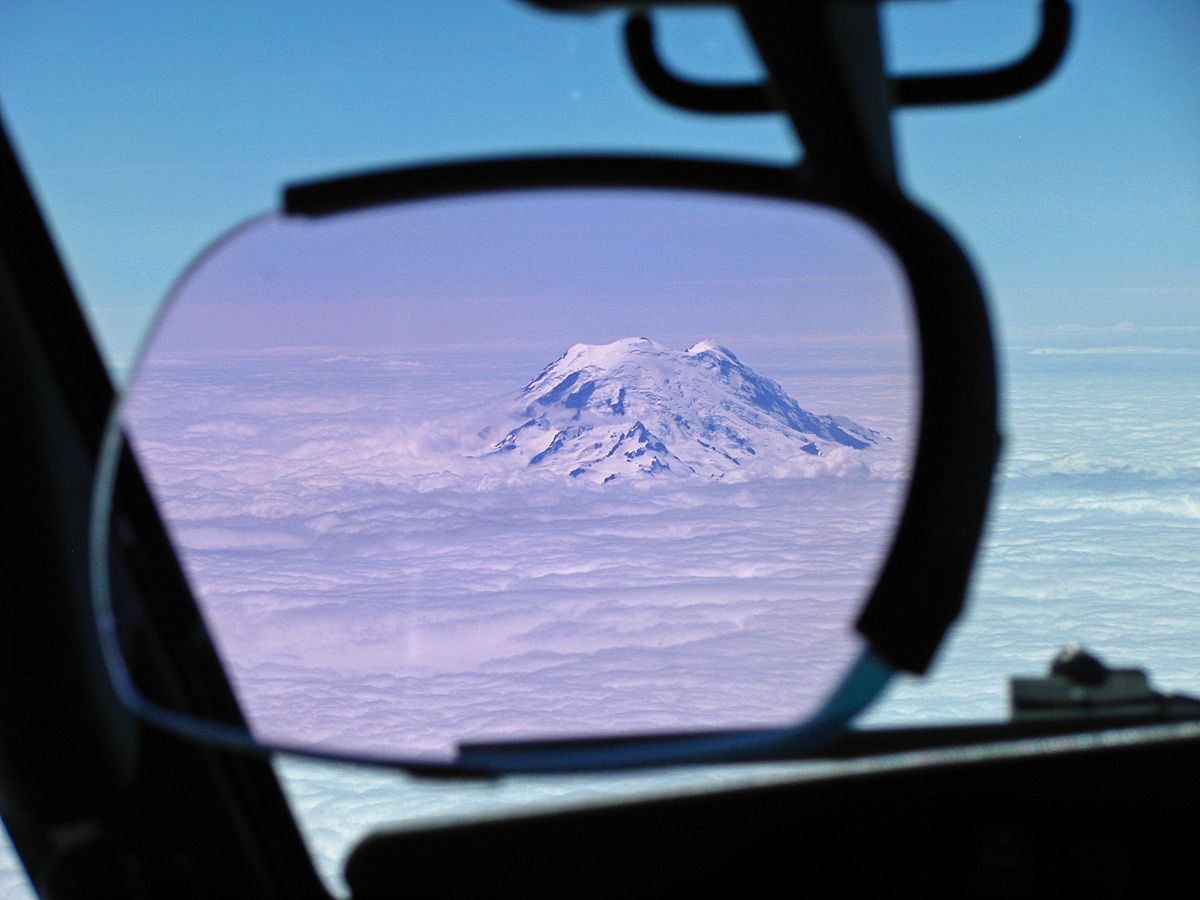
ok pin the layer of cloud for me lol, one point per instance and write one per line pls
(1093, 538)
(376, 582)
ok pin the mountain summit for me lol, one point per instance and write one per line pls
(635, 409)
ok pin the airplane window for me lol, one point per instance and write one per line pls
(1079, 202)
(532, 464)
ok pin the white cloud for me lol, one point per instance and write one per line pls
(1093, 538)
(1124, 350)
(377, 583)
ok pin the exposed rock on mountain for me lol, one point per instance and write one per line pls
(636, 409)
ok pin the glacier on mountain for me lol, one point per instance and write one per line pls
(634, 409)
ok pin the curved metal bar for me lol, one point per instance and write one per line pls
(995, 84)
(863, 684)
(909, 90)
(678, 92)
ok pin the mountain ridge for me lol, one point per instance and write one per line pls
(635, 409)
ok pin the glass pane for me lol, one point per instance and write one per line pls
(14, 881)
(535, 464)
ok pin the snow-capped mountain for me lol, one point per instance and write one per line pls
(633, 409)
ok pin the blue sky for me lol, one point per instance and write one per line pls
(149, 129)
(548, 270)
